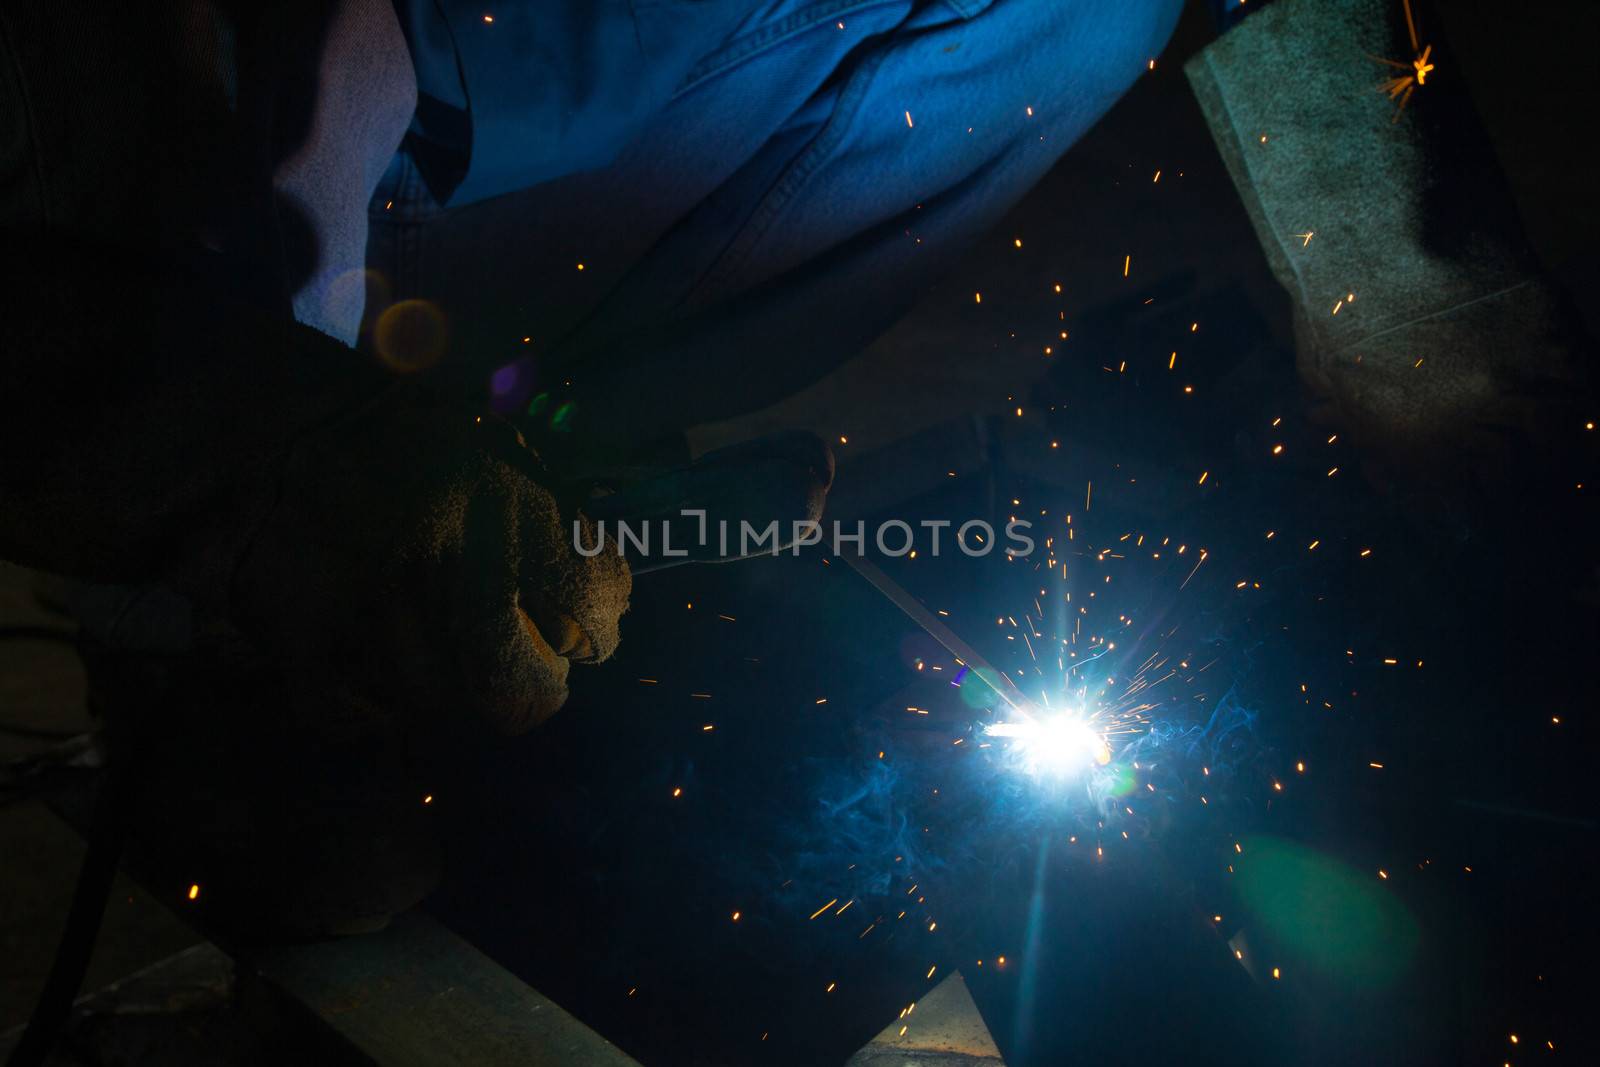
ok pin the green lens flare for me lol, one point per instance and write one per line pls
(1330, 917)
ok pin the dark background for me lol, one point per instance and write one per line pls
(573, 863)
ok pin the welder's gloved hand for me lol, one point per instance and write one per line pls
(415, 562)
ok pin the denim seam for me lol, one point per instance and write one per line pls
(414, 233)
(799, 172)
(767, 36)
(407, 232)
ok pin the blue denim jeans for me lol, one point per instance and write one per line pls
(808, 177)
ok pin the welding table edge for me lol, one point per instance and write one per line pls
(416, 993)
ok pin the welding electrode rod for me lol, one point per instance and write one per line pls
(1003, 686)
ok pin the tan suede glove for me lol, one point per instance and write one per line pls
(414, 563)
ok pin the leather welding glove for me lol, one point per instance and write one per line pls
(1423, 322)
(415, 559)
